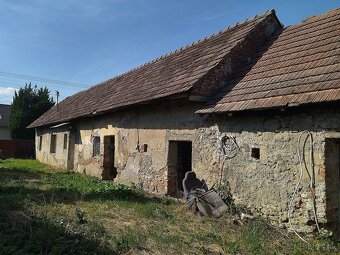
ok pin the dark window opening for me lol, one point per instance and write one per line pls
(53, 145)
(40, 142)
(255, 153)
(179, 162)
(65, 141)
(78, 137)
(96, 146)
(145, 148)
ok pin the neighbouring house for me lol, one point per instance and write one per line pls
(5, 111)
(254, 107)
(10, 148)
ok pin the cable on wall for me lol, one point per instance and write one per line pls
(311, 174)
(228, 148)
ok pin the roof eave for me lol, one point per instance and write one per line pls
(181, 95)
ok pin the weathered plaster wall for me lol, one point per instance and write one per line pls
(57, 159)
(264, 184)
(132, 130)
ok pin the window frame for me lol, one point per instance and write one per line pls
(65, 141)
(53, 143)
(40, 142)
(96, 146)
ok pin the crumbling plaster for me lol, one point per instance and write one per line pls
(132, 130)
(264, 184)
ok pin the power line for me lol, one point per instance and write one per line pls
(47, 80)
(6, 84)
(35, 78)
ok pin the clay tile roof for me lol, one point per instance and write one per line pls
(171, 74)
(299, 66)
(5, 111)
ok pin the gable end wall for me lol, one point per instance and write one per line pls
(238, 57)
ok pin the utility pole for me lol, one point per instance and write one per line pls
(57, 94)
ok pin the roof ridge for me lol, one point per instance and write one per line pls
(257, 16)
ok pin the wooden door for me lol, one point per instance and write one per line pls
(109, 169)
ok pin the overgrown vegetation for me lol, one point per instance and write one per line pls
(28, 104)
(223, 189)
(43, 211)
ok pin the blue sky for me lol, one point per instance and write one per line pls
(86, 42)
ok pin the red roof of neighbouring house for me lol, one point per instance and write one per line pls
(300, 65)
(172, 74)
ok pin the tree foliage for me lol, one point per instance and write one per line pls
(28, 104)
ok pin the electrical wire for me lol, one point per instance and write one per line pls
(227, 146)
(228, 149)
(312, 179)
(40, 79)
(311, 175)
(291, 203)
(20, 84)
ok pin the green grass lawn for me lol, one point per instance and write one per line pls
(45, 211)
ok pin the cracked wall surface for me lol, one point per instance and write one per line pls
(263, 184)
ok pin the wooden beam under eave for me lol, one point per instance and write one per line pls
(198, 98)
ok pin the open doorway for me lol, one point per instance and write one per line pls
(179, 162)
(70, 149)
(332, 178)
(109, 169)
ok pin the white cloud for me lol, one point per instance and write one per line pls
(6, 94)
(7, 91)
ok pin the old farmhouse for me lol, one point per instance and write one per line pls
(254, 107)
